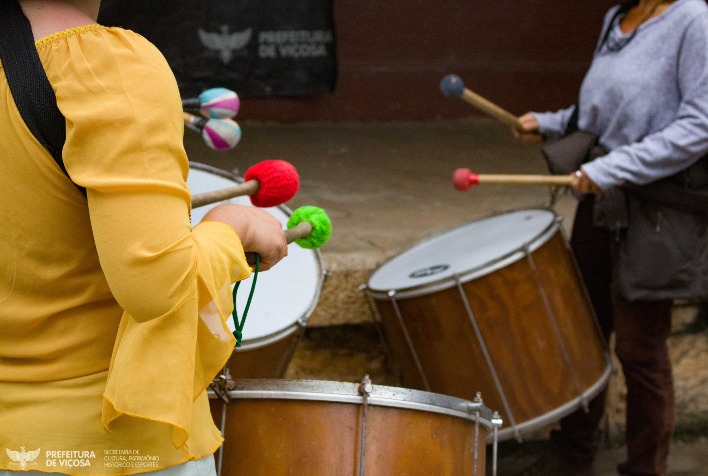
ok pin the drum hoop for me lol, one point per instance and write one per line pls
(344, 392)
(489, 267)
(321, 272)
(557, 413)
(265, 341)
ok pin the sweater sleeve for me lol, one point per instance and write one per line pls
(554, 124)
(125, 146)
(683, 141)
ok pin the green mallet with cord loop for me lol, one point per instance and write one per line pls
(308, 226)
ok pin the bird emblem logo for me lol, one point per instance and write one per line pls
(22, 457)
(224, 41)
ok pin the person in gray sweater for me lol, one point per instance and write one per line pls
(645, 97)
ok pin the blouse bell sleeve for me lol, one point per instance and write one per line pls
(125, 146)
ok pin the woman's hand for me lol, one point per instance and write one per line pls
(582, 183)
(259, 231)
(528, 129)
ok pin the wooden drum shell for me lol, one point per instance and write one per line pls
(318, 436)
(531, 320)
(265, 361)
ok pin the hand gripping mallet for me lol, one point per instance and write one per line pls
(268, 184)
(218, 134)
(308, 226)
(217, 103)
(452, 86)
(464, 179)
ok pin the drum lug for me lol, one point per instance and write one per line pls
(366, 387)
(222, 384)
(496, 424)
(497, 420)
(476, 404)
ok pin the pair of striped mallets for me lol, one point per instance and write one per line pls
(215, 107)
(463, 179)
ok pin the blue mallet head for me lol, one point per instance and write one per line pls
(452, 86)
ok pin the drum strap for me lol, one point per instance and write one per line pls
(238, 332)
(28, 82)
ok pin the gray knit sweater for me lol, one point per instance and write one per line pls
(646, 97)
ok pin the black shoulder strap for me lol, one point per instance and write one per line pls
(28, 82)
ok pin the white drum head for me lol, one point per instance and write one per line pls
(284, 294)
(469, 251)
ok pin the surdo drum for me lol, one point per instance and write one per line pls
(320, 428)
(284, 298)
(495, 306)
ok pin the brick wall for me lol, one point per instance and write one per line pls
(519, 54)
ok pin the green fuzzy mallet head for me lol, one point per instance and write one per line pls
(320, 222)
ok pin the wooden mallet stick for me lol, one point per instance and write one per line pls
(249, 187)
(452, 86)
(464, 179)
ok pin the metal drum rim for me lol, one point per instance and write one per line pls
(477, 272)
(556, 414)
(265, 341)
(346, 392)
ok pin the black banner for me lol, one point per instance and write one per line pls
(257, 48)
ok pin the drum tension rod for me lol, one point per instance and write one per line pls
(496, 424)
(365, 389)
(479, 402)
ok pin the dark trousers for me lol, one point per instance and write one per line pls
(641, 331)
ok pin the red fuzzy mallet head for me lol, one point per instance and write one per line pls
(463, 179)
(278, 182)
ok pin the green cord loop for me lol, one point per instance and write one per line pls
(238, 332)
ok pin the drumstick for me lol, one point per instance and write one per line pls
(218, 134)
(308, 226)
(269, 183)
(219, 103)
(452, 86)
(463, 179)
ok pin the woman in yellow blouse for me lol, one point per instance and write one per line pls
(112, 308)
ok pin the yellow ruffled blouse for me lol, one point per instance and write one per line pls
(112, 307)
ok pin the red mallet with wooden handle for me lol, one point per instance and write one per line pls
(268, 184)
(218, 103)
(452, 86)
(464, 179)
(218, 134)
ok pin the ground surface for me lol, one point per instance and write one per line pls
(387, 187)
